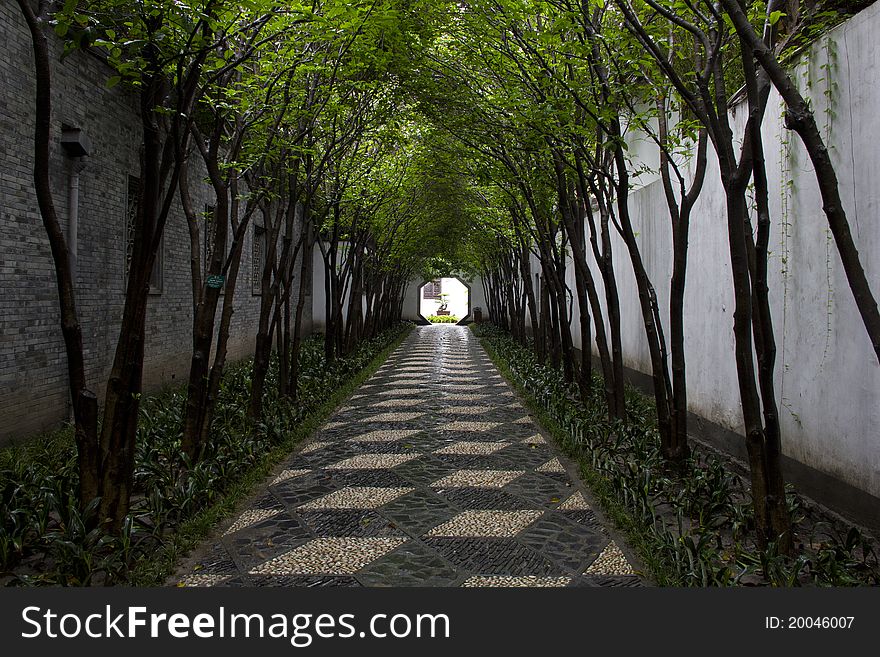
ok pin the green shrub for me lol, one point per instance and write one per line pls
(443, 319)
(45, 538)
(692, 528)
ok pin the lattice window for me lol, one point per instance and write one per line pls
(258, 259)
(432, 290)
(131, 210)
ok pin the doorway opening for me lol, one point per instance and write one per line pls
(444, 300)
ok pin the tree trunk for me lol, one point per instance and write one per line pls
(83, 401)
(800, 118)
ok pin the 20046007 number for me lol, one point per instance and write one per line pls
(809, 622)
(820, 622)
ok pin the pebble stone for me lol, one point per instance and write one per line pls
(329, 556)
(461, 396)
(288, 474)
(511, 581)
(486, 523)
(398, 403)
(319, 444)
(551, 466)
(610, 562)
(396, 392)
(249, 518)
(197, 580)
(384, 435)
(408, 381)
(468, 410)
(372, 461)
(575, 503)
(394, 417)
(478, 478)
(470, 426)
(471, 447)
(357, 497)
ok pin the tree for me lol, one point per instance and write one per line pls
(159, 49)
(800, 118)
(85, 403)
(232, 103)
(704, 89)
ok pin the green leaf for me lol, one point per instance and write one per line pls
(113, 81)
(775, 16)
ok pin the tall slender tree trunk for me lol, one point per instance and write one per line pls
(305, 281)
(605, 260)
(269, 286)
(122, 400)
(196, 407)
(612, 387)
(679, 213)
(84, 401)
(800, 118)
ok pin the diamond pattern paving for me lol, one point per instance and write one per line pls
(372, 461)
(486, 523)
(431, 474)
(526, 581)
(251, 517)
(383, 435)
(471, 447)
(356, 497)
(328, 556)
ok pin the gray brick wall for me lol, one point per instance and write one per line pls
(33, 375)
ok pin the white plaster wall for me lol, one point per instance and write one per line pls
(319, 295)
(828, 378)
(411, 301)
(478, 296)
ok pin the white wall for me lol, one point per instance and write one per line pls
(478, 296)
(828, 376)
(411, 301)
(319, 295)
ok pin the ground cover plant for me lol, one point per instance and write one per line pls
(693, 526)
(45, 539)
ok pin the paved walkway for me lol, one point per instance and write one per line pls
(432, 475)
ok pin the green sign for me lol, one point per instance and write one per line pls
(215, 281)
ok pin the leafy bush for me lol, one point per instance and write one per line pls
(46, 539)
(693, 525)
(442, 319)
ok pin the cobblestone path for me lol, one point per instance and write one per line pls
(433, 474)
